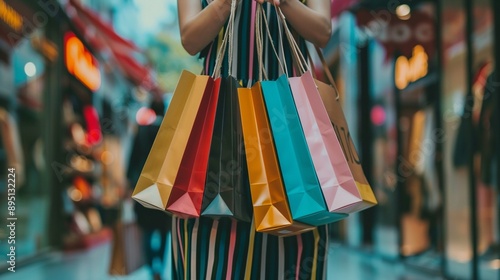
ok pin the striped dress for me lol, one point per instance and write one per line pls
(225, 249)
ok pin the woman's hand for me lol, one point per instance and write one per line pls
(312, 21)
(199, 27)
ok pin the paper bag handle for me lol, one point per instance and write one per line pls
(301, 61)
(228, 37)
(326, 69)
(261, 20)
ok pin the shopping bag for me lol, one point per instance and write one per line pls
(344, 184)
(187, 192)
(332, 171)
(127, 247)
(161, 168)
(227, 189)
(354, 192)
(303, 189)
(270, 206)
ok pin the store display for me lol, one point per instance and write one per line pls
(9, 134)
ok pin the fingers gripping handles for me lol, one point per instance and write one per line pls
(227, 44)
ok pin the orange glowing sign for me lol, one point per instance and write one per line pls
(10, 16)
(81, 63)
(410, 70)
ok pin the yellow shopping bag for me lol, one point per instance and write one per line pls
(162, 165)
(270, 206)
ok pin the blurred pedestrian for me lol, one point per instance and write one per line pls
(203, 247)
(152, 222)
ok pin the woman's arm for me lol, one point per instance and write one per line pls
(312, 22)
(199, 26)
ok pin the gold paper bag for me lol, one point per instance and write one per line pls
(160, 170)
(270, 206)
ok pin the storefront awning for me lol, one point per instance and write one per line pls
(102, 37)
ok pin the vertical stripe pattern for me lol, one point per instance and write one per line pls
(224, 249)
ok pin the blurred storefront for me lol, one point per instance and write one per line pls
(427, 142)
(23, 75)
(70, 88)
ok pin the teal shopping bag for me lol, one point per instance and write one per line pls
(303, 189)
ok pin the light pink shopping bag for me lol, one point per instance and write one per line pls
(344, 191)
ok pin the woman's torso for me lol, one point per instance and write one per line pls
(245, 66)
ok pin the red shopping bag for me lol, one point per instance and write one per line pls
(159, 173)
(187, 192)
